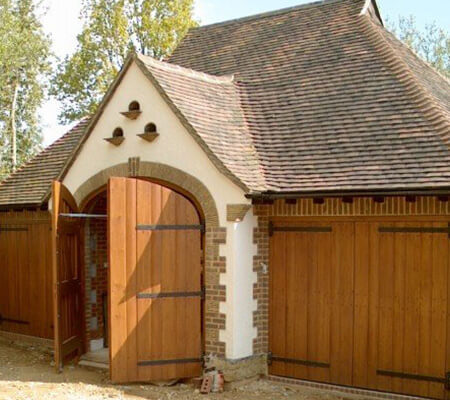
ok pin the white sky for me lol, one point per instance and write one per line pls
(62, 22)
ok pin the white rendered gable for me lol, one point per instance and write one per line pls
(177, 148)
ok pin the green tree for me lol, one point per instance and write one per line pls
(432, 44)
(24, 65)
(111, 29)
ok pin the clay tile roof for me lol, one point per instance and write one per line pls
(211, 108)
(314, 98)
(30, 185)
(332, 101)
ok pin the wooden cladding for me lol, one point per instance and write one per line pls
(412, 229)
(25, 273)
(369, 298)
(361, 206)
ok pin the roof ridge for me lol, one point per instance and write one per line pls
(267, 14)
(186, 71)
(430, 108)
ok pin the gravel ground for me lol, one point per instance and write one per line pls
(26, 373)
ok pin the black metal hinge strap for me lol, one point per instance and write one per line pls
(306, 229)
(12, 320)
(170, 228)
(168, 295)
(394, 374)
(306, 363)
(149, 363)
(393, 229)
(13, 229)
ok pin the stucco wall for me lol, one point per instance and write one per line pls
(239, 252)
(176, 147)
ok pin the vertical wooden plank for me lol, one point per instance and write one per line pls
(440, 272)
(342, 303)
(324, 253)
(278, 300)
(118, 278)
(361, 320)
(412, 305)
(144, 282)
(318, 309)
(169, 275)
(386, 302)
(130, 280)
(373, 305)
(290, 310)
(424, 311)
(300, 260)
(400, 270)
(157, 284)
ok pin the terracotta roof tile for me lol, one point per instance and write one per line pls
(325, 107)
(30, 185)
(212, 109)
(315, 98)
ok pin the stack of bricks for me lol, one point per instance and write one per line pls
(96, 258)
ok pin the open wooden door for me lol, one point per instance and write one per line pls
(155, 283)
(68, 301)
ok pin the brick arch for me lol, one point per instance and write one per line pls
(214, 235)
(160, 172)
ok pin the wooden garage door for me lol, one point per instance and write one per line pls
(362, 304)
(155, 282)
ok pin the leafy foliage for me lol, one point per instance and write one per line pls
(113, 28)
(24, 65)
(432, 44)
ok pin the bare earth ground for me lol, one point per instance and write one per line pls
(26, 373)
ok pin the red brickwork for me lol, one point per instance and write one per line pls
(96, 259)
(261, 287)
(215, 292)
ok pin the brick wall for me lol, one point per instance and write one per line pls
(261, 287)
(215, 292)
(96, 262)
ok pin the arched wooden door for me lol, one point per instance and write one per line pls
(68, 300)
(155, 251)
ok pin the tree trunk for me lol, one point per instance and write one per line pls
(13, 127)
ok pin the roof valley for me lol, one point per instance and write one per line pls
(245, 108)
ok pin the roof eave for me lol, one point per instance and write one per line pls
(271, 195)
(42, 206)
